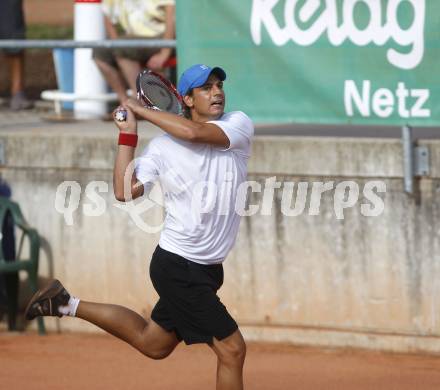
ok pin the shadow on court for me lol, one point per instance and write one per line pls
(86, 361)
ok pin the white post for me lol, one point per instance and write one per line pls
(88, 26)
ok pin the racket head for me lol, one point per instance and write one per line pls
(156, 92)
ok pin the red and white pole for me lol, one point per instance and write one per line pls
(88, 26)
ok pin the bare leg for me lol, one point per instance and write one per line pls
(147, 337)
(231, 353)
(114, 79)
(16, 66)
(18, 97)
(130, 69)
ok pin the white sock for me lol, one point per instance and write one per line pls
(70, 309)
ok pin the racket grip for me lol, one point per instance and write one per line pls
(121, 115)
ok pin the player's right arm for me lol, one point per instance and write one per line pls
(180, 127)
(125, 184)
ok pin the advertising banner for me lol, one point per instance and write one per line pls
(320, 61)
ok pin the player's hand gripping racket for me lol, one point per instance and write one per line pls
(155, 92)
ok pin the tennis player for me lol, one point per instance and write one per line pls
(204, 151)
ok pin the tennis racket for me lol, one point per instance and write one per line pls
(155, 92)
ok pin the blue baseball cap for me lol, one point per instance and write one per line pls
(196, 76)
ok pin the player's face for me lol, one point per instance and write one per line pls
(208, 101)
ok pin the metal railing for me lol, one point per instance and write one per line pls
(107, 43)
(58, 96)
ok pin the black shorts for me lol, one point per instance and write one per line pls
(188, 304)
(12, 22)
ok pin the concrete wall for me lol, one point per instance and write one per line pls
(309, 279)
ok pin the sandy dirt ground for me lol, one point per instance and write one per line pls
(89, 361)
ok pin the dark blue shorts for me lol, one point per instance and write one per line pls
(188, 303)
(12, 22)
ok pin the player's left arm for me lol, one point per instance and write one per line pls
(180, 127)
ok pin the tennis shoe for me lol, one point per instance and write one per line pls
(47, 301)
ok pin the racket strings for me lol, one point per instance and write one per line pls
(158, 93)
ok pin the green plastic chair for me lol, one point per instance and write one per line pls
(29, 264)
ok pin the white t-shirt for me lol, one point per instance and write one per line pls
(200, 184)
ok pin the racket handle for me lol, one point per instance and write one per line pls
(121, 115)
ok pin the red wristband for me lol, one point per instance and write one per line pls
(128, 139)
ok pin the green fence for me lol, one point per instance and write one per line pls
(320, 61)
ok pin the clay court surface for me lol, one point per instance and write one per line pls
(85, 361)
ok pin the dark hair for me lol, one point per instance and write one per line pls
(186, 109)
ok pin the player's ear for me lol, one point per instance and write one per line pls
(188, 100)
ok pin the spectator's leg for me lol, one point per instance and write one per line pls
(16, 66)
(113, 78)
(106, 62)
(12, 26)
(131, 61)
(130, 69)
